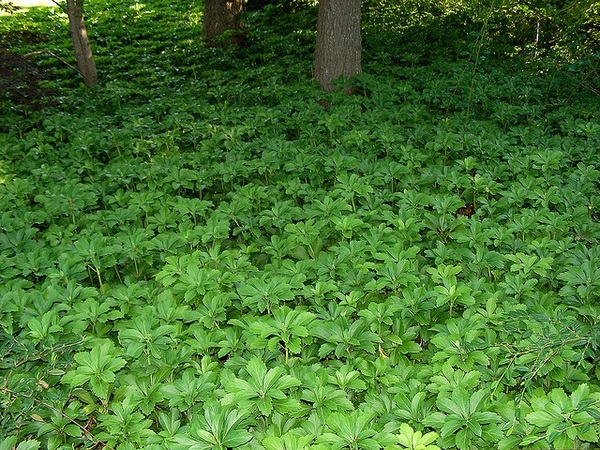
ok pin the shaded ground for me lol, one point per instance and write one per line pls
(20, 77)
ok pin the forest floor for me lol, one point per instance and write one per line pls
(207, 247)
(20, 76)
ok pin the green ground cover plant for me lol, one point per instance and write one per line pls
(206, 252)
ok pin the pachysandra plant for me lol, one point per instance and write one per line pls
(410, 262)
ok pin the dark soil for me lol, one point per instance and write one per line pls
(21, 79)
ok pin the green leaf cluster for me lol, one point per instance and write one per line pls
(206, 252)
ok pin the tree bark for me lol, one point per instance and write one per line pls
(81, 44)
(339, 48)
(219, 17)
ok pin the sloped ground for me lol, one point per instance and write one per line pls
(20, 76)
(200, 224)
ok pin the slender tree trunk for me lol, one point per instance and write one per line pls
(338, 51)
(219, 17)
(81, 44)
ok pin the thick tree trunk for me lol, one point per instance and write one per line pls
(81, 44)
(219, 17)
(339, 47)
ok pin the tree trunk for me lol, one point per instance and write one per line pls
(339, 47)
(81, 44)
(219, 17)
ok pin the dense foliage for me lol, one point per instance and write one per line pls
(206, 252)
